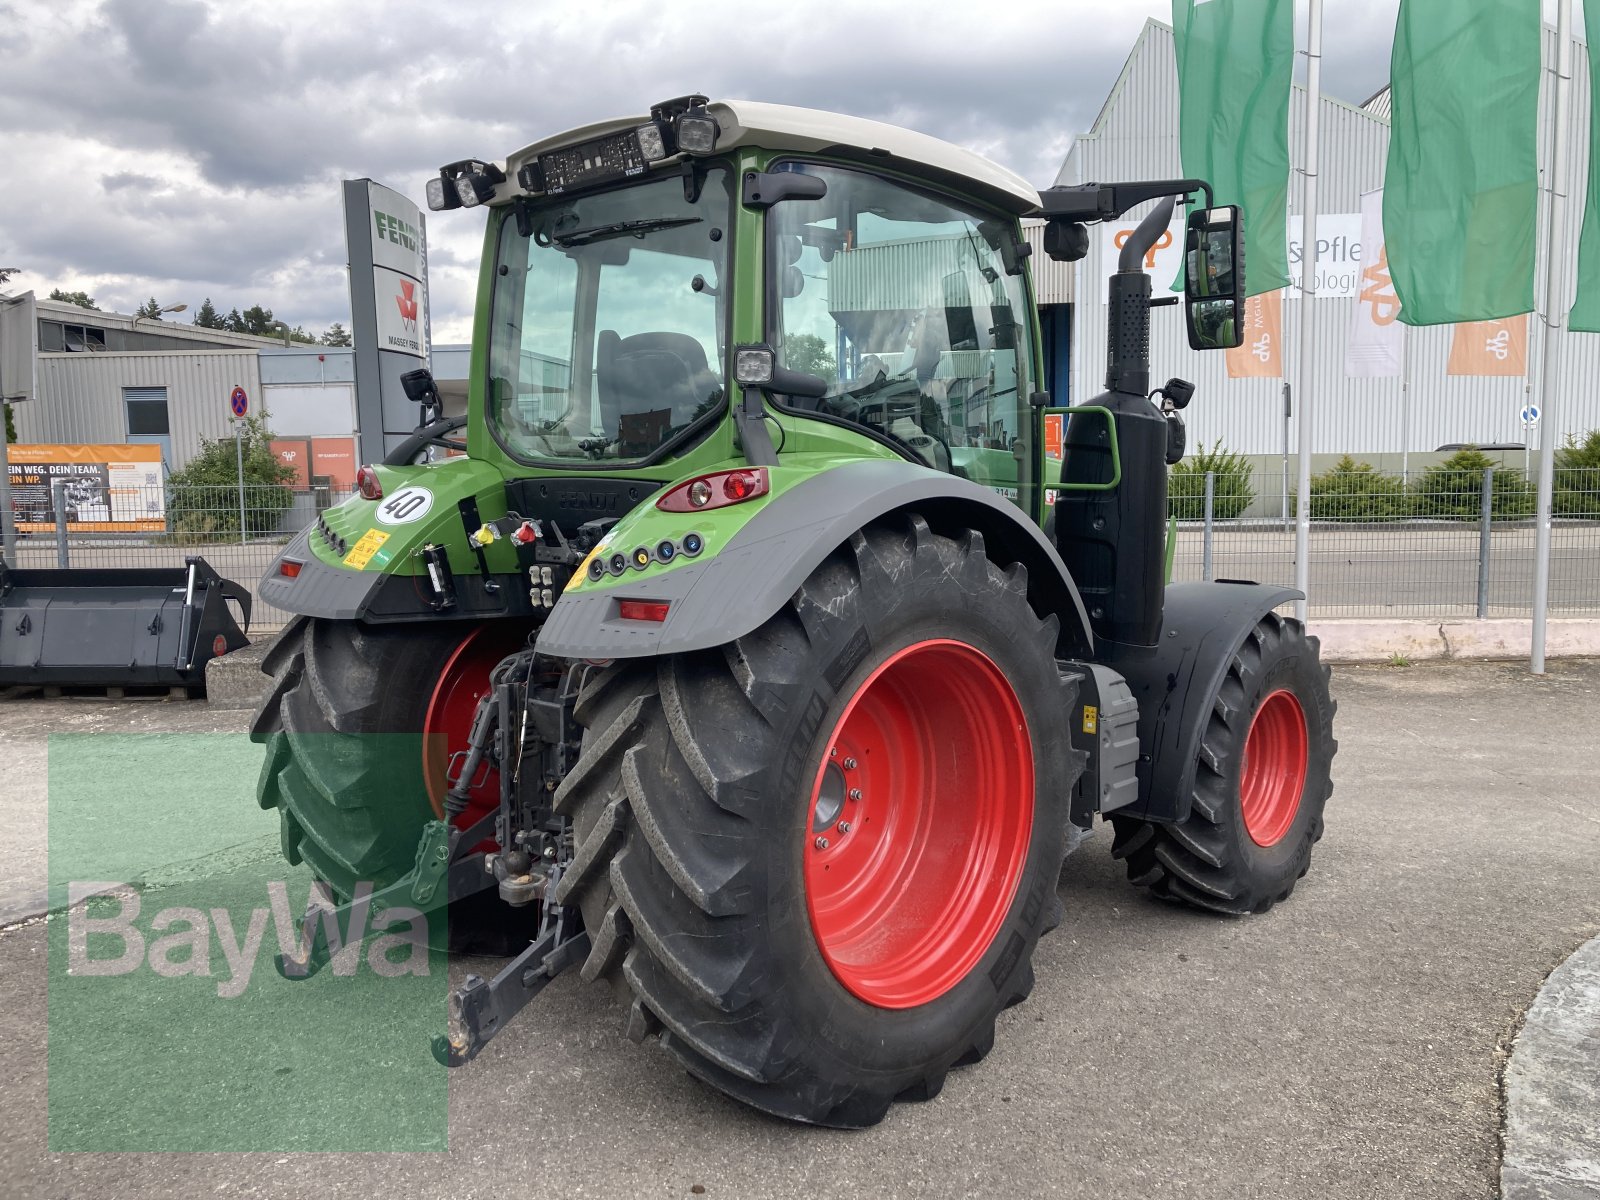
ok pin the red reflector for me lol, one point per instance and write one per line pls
(367, 481)
(289, 569)
(643, 610)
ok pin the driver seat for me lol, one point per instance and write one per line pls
(651, 373)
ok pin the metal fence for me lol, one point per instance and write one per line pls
(239, 531)
(1449, 544)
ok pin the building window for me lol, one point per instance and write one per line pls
(147, 411)
(52, 336)
(85, 337)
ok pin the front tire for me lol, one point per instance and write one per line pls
(1262, 781)
(713, 815)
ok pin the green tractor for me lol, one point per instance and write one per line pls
(768, 638)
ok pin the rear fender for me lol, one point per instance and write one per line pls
(1176, 681)
(757, 555)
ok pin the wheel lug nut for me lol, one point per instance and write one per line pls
(855, 793)
(821, 843)
(843, 827)
(833, 753)
(849, 764)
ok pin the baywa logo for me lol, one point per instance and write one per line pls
(178, 941)
(409, 304)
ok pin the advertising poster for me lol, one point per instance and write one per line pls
(107, 489)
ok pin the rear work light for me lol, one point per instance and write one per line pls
(643, 610)
(367, 481)
(717, 490)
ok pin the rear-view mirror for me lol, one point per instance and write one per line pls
(1213, 278)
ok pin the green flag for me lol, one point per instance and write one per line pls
(1585, 315)
(1235, 63)
(1461, 189)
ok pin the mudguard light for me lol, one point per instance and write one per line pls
(717, 490)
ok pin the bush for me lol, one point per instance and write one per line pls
(1577, 477)
(1353, 490)
(203, 498)
(1454, 488)
(1232, 491)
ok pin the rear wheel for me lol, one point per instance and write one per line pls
(359, 725)
(1262, 780)
(817, 860)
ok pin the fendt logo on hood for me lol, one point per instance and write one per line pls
(407, 300)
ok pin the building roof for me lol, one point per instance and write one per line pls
(75, 314)
(810, 130)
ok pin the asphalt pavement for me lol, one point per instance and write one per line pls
(1349, 1044)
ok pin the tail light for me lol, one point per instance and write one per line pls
(368, 483)
(289, 568)
(717, 490)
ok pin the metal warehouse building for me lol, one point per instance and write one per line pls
(1136, 137)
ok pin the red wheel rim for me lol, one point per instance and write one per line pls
(1272, 775)
(920, 819)
(447, 725)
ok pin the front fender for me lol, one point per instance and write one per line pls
(1203, 625)
(750, 571)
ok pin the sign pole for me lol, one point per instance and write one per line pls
(1554, 320)
(238, 449)
(1308, 293)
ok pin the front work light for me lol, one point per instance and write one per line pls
(696, 132)
(752, 365)
(651, 144)
(441, 195)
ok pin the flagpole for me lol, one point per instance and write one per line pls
(1554, 319)
(1308, 293)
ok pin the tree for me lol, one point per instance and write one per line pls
(258, 320)
(205, 494)
(150, 310)
(336, 335)
(11, 424)
(809, 353)
(81, 299)
(1577, 477)
(298, 334)
(7, 272)
(233, 322)
(208, 317)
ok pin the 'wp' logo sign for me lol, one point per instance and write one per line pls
(1121, 239)
(1377, 290)
(409, 304)
(1499, 345)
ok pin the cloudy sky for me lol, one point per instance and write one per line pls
(185, 149)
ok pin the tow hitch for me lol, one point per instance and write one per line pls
(517, 722)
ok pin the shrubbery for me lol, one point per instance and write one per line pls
(1352, 490)
(203, 498)
(1232, 491)
(1577, 477)
(1454, 488)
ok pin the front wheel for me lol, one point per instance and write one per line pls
(1262, 780)
(817, 859)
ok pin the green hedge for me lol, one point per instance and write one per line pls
(203, 498)
(1577, 477)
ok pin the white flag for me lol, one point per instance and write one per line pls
(1377, 338)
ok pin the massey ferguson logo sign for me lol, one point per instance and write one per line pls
(407, 303)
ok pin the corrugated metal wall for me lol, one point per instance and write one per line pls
(1136, 137)
(80, 396)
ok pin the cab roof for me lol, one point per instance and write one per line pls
(815, 131)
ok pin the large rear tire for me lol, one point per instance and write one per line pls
(351, 765)
(1262, 781)
(817, 860)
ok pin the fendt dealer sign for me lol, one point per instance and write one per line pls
(398, 268)
(388, 247)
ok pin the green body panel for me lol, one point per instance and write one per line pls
(647, 525)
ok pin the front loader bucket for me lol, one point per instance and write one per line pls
(112, 627)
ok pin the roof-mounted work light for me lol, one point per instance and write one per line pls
(465, 184)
